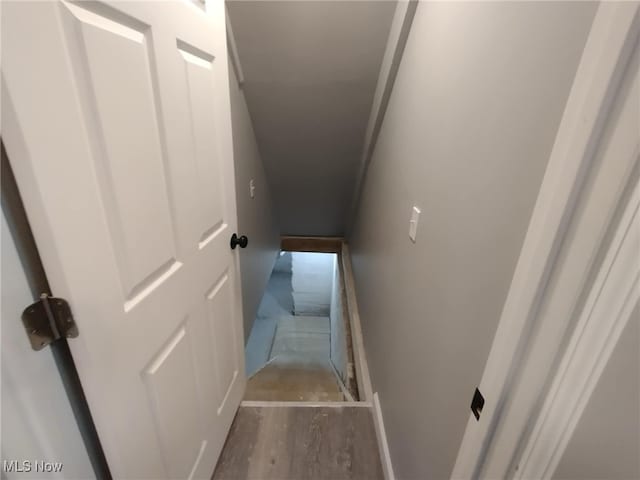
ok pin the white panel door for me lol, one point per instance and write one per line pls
(116, 119)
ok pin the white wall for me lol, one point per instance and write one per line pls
(312, 278)
(37, 421)
(469, 127)
(606, 441)
(255, 215)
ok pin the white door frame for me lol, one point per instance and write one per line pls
(42, 384)
(606, 54)
(611, 302)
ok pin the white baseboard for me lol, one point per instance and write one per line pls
(378, 423)
(363, 379)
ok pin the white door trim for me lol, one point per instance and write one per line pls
(613, 298)
(605, 56)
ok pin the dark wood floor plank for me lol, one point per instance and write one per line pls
(300, 443)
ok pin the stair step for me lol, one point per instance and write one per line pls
(295, 378)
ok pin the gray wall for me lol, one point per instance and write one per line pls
(468, 131)
(255, 217)
(310, 72)
(606, 441)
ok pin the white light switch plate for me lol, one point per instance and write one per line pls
(252, 188)
(413, 223)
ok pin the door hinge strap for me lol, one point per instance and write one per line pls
(47, 320)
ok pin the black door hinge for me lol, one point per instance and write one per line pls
(48, 320)
(477, 404)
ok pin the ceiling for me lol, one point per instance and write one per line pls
(310, 70)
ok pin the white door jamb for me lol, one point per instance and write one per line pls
(606, 54)
(612, 300)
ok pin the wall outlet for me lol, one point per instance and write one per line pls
(252, 188)
(413, 223)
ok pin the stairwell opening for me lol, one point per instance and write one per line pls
(299, 349)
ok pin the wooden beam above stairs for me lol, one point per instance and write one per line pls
(311, 244)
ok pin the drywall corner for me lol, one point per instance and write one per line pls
(255, 214)
(398, 34)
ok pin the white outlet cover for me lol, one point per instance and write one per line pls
(252, 188)
(413, 223)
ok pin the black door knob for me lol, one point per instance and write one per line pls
(243, 241)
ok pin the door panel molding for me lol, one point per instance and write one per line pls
(135, 248)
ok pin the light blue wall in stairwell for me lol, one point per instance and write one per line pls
(312, 280)
(339, 355)
(466, 137)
